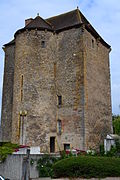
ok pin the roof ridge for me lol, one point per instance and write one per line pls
(78, 15)
(41, 19)
(64, 21)
(61, 14)
(45, 21)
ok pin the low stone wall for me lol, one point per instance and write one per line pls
(15, 167)
(12, 167)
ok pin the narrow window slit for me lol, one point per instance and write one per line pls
(59, 125)
(43, 44)
(21, 94)
(59, 100)
(92, 43)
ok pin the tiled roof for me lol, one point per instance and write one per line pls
(62, 22)
(66, 20)
(38, 22)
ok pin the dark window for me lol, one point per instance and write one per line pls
(43, 44)
(52, 144)
(55, 70)
(66, 146)
(92, 43)
(59, 100)
(59, 124)
(21, 88)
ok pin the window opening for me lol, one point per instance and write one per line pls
(59, 124)
(59, 100)
(43, 44)
(92, 43)
(52, 144)
(21, 94)
(54, 70)
(66, 147)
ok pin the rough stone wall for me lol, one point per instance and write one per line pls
(7, 98)
(69, 84)
(36, 65)
(47, 72)
(98, 116)
(72, 64)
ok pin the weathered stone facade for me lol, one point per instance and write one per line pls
(7, 98)
(70, 63)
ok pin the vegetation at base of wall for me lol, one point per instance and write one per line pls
(101, 150)
(44, 165)
(116, 124)
(6, 149)
(114, 151)
(87, 166)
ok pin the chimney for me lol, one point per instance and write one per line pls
(27, 21)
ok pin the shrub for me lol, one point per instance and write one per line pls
(112, 152)
(116, 124)
(87, 166)
(44, 165)
(102, 151)
(6, 149)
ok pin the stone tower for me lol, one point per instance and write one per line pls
(56, 91)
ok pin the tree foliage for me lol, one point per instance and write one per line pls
(6, 149)
(116, 124)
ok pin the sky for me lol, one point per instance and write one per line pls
(104, 15)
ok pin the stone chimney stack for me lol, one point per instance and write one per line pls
(27, 21)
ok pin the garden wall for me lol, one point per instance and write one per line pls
(18, 166)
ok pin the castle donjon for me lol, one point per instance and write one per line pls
(56, 90)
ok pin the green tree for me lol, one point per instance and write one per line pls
(116, 124)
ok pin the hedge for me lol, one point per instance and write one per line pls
(87, 166)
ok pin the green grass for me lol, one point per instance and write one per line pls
(87, 166)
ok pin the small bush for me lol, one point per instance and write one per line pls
(6, 149)
(87, 166)
(102, 151)
(44, 166)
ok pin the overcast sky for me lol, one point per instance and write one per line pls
(104, 15)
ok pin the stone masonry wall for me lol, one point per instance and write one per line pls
(71, 64)
(69, 83)
(35, 64)
(47, 72)
(7, 98)
(98, 117)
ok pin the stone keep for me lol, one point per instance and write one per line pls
(56, 90)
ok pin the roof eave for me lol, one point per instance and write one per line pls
(68, 27)
(32, 28)
(10, 43)
(96, 35)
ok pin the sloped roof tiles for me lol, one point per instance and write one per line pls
(62, 22)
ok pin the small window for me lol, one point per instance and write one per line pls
(52, 144)
(66, 147)
(21, 93)
(59, 125)
(59, 100)
(43, 44)
(55, 69)
(92, 43)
